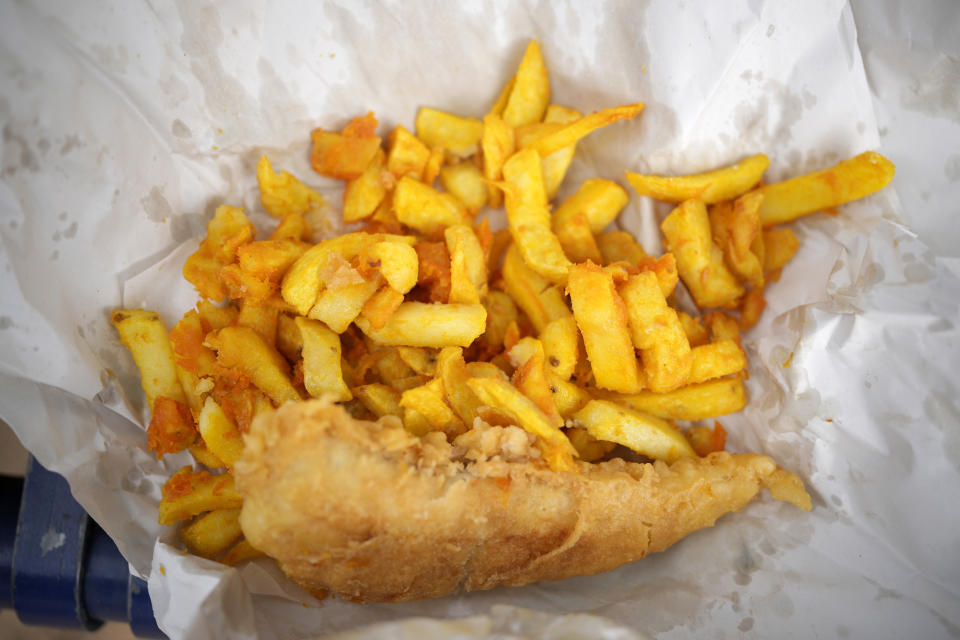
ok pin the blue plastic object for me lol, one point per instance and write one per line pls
(57, 567)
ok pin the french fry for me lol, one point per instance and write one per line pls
(529, 218)
(427, 400)
(337, 307)
(697, 334)
(556, 164)
(849, 180)
(242, 551)
(735, 228)
(215, 317)
(465, 182)
(501, 311)
(716, 360)
(145, 335)
(497, 144)
(321, 361)
(282, 194)
(700, 262)
(261, 319)
(561, 346)
(243, 349)
(589, 448)
(397, 262)
(292, 227)
(188, 493)
(406, 154)
(648, 435)
(535, 296)
(656, 331)
(530, 90)
(307, 276)
(453, 372)
(692, 402)
(226, 232)
(601, 201)
(289, 342)
(620, 246)
(576, 239)
(423, 208)
(171, 427)
(780, 245)
(434, 164)
(722, 326)
(486, 370)
(418, 324)
(468, 268)
(202, 455)
(380, 399)
(213, 533)
(383, 304)
(456, 134)
(572, 132)
(219, 433)
(601, 316)
(363, 194)
(507, 399)
(726, 183)
(751, 306)
(531, 379)
(420, 359)
(347, 154)
(705, 440)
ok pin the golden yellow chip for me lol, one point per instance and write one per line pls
(713, 186)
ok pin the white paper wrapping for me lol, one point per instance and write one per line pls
(125, 124)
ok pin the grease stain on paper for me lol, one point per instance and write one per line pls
(937, 92)
(155, 205)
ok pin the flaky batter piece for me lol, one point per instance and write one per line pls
(371, 512)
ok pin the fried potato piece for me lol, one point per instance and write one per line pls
(453, 373)
(561, 346)
(700, 262)
(533, 380)
(321, 361)
(242, 349)
(417, 324)
(589, 448)
(425, 209)
(384, 303)
(188, 493)
(656, 331)
(692, 402)
(601, 316)
(697, 334)
(282, 194)
(406, 154)
(226, 232)
(145, 335)
(363, 194)
(540, 301)
(780, 245)
(713, 186)
(751, 306)
(572, 132)
(705, 440)
(722, 326)
(426, 401)
(529, 91)
(383, 544)
(456, 134)
(648, 435)
(556, 164)
(213, 533)
(468, 267)
(507, 399)
(219, 433)
(397, 262)
(380, 399)
(849, 180)
(337, 307)
(465, 182)
(620, 246)
(292, 227)
(347, 154)
(497, 144)
(716, 360)
(241, 552)
(735, 228)
(529, 218)
(600, 200)
(171, 427)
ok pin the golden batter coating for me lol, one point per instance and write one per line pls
(371, 512)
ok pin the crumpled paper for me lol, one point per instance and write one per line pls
(125, 125)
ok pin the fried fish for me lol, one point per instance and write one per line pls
(370, 512)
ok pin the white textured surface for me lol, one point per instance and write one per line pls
(111, 118)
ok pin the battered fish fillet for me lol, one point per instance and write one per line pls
(370, 512)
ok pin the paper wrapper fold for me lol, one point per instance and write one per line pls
(124, 126)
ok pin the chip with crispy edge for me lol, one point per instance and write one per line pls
(713, 186)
